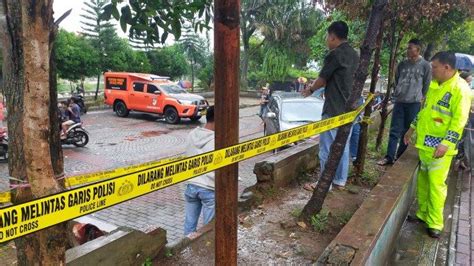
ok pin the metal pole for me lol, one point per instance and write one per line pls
(226, 73)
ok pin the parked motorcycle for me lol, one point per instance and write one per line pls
(3, 144)
(76, 135)
(79, 100)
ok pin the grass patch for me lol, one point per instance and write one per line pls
(371, 174)
(270, 192)
(147, 262)
(320, 221)
(296, 212)
(344, 217)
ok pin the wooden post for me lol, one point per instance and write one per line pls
(226, 73)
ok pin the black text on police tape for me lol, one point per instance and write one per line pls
(164, 175)
(88, 199)
(246, 147)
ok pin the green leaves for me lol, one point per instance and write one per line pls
(276, 64)
(157, 19)
(168, 61)
(75, 56)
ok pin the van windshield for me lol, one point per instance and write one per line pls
(172, 89)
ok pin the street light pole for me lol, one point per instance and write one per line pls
(226, 73)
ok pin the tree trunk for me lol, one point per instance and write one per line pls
(97, 87)
(315, 204)
(391, 76)
(246, 34)
(192, 75)
(429, 51)
(226, 74)
(34, 149)
(364, 136)
(245, 69)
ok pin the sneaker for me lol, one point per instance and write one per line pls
(310, 186)
(385, 161)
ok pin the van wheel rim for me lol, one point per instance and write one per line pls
(120, 109)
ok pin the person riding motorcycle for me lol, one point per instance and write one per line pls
(74, 113)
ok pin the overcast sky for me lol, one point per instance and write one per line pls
(73, 21)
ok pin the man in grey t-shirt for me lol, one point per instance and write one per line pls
(412, 80)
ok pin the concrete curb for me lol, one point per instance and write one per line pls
(364, 241)
(181, 244)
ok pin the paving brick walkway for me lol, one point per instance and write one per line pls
(464, 254)
(464, 233)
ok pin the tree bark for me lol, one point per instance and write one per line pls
(246, 35)
(97, 87)
(364, 136)
(395, 47)
(34, 149)
(192, 75)
(315, 204)
(226, 74)
(245, 68)
(429, 51)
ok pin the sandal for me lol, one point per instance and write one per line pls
(310, 186)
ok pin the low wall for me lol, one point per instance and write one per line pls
(370, 235)
(121, 247)
(281, 169)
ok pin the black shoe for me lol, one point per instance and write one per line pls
(434, 233)
(385, 161)
(414, 219)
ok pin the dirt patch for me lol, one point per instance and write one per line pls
(270, 234)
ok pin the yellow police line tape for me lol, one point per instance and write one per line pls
(74, 181)
(25, 218)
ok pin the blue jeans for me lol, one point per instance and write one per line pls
(198, 198)
(325, 140)
(354, 141)
(263, 110)
(402, 116)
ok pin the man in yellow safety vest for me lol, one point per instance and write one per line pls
(438, 126)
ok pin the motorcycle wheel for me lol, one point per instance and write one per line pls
(83, 109)
(80, 138)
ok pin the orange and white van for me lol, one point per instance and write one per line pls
(150, 93)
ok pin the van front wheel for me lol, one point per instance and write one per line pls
(121, 109)
(171, 115)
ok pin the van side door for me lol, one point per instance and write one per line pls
(138, 97)
(156, 100)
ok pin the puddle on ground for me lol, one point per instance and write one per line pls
(147, 134)
(154, 133)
